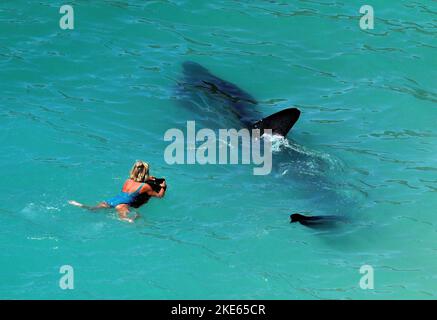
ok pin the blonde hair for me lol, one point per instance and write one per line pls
(139, 171)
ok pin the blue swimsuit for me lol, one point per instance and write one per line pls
(130, 199)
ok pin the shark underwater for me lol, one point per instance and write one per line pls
(241, 103)
(218, 103)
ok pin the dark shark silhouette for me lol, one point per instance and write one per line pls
(221, 104)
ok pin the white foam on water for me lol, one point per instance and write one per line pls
(278, 142)
(43, 238)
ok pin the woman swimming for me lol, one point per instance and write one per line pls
(136, 191)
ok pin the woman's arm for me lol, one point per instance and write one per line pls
(159, 194)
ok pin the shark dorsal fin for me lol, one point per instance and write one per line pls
(280, 122)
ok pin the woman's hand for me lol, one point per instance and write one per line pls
(163, 184)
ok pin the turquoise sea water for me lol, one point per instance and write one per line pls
(77, 107)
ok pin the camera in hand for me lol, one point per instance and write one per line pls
(155, 184)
